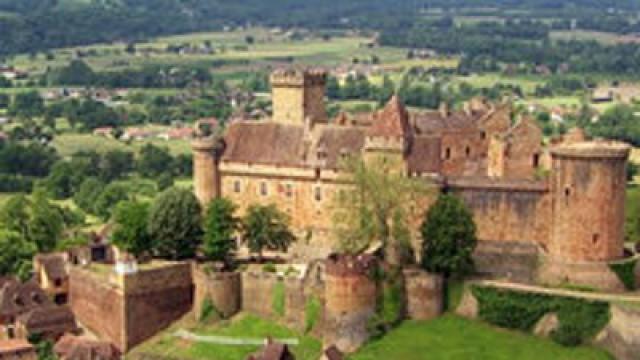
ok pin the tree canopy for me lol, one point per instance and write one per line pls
(131, 232)
(220, 225)
(448, 237)
(266, 227)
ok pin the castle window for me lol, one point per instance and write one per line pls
(467, 151)
(447, 154)
(264, 191)
(236, 186)
(317, 194)
(57, 283)
(536, 161)
(567, 191)
(595, 238)
(483, 135)
(288, 190)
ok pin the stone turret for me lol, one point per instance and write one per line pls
(391, 134)
(206, 154)
(297, 95)
(350, 293)
(588, 190)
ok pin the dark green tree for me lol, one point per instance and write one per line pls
(175, 224)
(266, 227)
(5, 101)
(109, 198)
(220, 225)
(15, 215)
(46, 223)
(449, 237)
(165, 181)
(131, 233)
(87, 195)
(27, 104)
(15, 255)
(153, 160)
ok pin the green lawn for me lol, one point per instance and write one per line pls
(243, 326)
(454, 338)
(70, 143)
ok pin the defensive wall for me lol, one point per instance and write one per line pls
(128, 309)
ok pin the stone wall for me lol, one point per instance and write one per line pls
(514, 261)
(507, 211)
(222, 289)
(155, 298)
(135, 307)
(424, 294)
(597, 275)
(97, 305)
(621, 336)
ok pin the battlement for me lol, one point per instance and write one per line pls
(298, 77)
(593, 149)
(349, 265)
(206, 144)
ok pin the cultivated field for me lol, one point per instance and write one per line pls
(602, 37)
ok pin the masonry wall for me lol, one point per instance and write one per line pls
(97, 305)
(155, 298)
(222, 289)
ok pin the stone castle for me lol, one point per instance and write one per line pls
(552, 214)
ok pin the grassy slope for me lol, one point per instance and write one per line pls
(454, 338)
(243, 326)
(68, 144)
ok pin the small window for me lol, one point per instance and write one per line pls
(236, 186)
(57, 283)
(483, 135)
(536, 161)
(264, 191)
(447, 153)
(595, 238)
(467, 151)
(317, 194)
(288, 190)
(567, 191)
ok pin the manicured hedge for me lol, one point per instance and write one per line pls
(626, 273)
(579, 320)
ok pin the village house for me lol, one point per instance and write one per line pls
(52, 275)
(183, 133)
(16, 299)
(71, 347)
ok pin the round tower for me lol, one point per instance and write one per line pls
(350, 300)
(206, 178)
(588, 195)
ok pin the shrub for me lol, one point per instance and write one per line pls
(312, 310)
(278, 298)
(579, 320)
(626, 272)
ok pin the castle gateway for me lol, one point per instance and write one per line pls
(549, 213)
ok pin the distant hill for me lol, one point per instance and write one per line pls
(36, 25)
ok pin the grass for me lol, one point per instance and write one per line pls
(601, 37)
(242, 326)
(451, 337)
(70, 143)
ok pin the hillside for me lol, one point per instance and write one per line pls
(36, 25)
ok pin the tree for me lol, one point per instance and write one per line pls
(266, 227)
(15, 215)
(153, 160)
(46, 223)
(164, 181)
(15, 255)
(448, 237)
(131, 233)
(62, 180)
(109, 198)
(115, 164)
(220, 225)
(5, 100)
(632, 170)
(87, 195)
(175, 224)
(376, 207)
(28, 104)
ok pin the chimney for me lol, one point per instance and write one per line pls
(444, 109)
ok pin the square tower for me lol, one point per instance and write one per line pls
(298, 95)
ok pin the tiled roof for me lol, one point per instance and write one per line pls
(433, 122)
(49, 319)
(391, 121)
(54, 266)
(425, 155)
(71, 347)
(13, 346)
(17, 298)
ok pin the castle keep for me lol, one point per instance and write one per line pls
(561, 205)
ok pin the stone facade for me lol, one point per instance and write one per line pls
(516, 188)
(137, 305)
